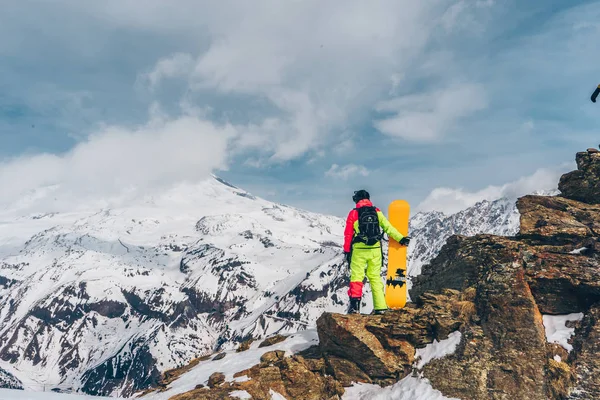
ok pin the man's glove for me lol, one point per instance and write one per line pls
(348, 256)
(405, 241)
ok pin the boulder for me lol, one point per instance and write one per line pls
(584, 183)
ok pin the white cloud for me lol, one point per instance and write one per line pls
(463, 15)
(451, 200)
(396, 80)
(347, 171)
(319, 66)
(426, 117)
(114, 160)
(319, 79)
(344, 146)
(175, 66)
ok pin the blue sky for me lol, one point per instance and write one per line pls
(439, 102)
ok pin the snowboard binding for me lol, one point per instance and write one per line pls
(399, 279)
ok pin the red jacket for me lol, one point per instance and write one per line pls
(352, 218)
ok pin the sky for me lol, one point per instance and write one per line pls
(442, 103)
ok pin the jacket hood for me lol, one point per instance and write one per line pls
(364, 203)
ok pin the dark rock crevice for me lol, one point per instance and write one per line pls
(132, 369)
(8, 381)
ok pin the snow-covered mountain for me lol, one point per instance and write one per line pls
(499, 217)
(103, 301)
(432, 229)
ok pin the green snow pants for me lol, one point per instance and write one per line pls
(367, 261)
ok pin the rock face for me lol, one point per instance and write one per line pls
(550, 267)
(583, 184)
(7, 381)
(584, 358)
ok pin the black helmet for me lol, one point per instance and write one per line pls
(360, 195)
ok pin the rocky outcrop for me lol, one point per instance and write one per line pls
(272, 340)
(383, 347)
(584, 183)
(552, 267)
(352, 348)
(458, 263)
(295, 377)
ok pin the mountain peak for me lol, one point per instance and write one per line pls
(222, 181)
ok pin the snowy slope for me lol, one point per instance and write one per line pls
(103, 301)
(6, 394)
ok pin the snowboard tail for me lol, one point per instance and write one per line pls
(395, 284)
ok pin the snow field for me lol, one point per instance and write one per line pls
(8, 394)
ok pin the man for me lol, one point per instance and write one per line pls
(362, 247)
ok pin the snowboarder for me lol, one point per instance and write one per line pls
(362, 247)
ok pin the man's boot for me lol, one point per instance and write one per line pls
(354, 305)
(379, 312)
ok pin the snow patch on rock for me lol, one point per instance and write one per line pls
(557, 331)
(437, 349)
(409, 388)
(240, 394)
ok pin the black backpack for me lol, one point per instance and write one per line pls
(369, 231)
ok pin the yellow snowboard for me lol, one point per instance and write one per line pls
(395, 284)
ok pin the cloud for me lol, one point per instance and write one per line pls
(292, 77)
(427, 116)
(115, 160)
(463, 15)
(175, 66)
(452, 200)
(346, 172)
(316, 81)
